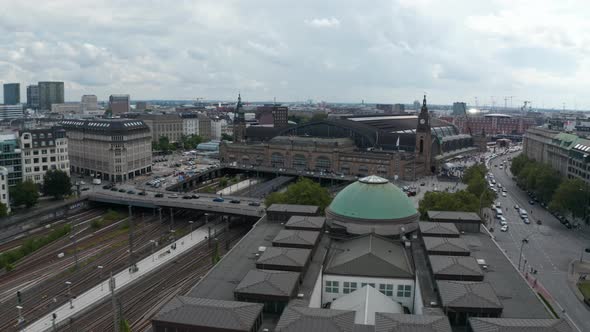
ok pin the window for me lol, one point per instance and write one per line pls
(44, 159)
(35, 160)
(348, 287)
(27, 161)
(332, 287)
(52, 158)
(44, 151)
(386, 289)
(363, 284)
(404, 290)
(37, 177)
(36, 169)
(35, 152)
(45, 167)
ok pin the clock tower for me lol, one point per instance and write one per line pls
(424, 138)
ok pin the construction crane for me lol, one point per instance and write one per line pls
(506, 99)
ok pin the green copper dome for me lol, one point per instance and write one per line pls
(372, 198)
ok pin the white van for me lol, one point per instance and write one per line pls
(498, 212)
(523, 213)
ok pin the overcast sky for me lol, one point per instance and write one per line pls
(332, 50)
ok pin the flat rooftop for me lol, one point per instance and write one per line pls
(517, 298)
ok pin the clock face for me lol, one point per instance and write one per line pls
(422, 121)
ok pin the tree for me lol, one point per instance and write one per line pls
(26, 193)
(3, 210)
(572, 195)
(226, 137)
(518, 164)
(56, 183)
(304, 192)
(191, 141)
(164, 144)
(547, 182)
(476, 171)
(444, 201)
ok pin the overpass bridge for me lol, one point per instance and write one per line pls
(204, 203)
(258, 171)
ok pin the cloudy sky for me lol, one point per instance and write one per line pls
(332, 50)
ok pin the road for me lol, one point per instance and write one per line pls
(550, 250)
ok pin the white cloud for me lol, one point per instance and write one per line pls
(331, 22)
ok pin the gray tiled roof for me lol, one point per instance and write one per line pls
(518, 325)
(303, 319)
(313, 223)
(369, 255)
(288, 236)
(461, 294)
(444, 244)
(293, 208)
(455, 265)
(201, 312)
(366, 302)
(266, 282)
(453, 216)
(387, 322)
(437, 228)
(284, 256)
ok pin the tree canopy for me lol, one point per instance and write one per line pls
(537, 177)
(25, 193)
(191, 141)
(56, 183)
(163, 144)
(304, 192)
(444, 201)
(572, 195)
(3, 210)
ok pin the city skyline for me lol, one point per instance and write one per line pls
(337, 52)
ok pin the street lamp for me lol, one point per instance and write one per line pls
(100, 267)
(524, 241)
(69, 283)
(206, 218)
(191, 224)
(153, 242)
(582, 253)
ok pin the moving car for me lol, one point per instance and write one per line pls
(235, 201)
(218, 199)
(173, 196)
(159, 195)
(131, 192)
(186, 197)
(504, 228)
(254, 204)
(503, 194)
(122, 190)
(526, 220)
(195, 196)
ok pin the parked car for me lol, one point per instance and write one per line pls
(122, 190)
(531, 202)
(173, 196)
(254, 204)
(131, 192)
(142, 193)
(526, 220)
(114, 189)
(235, 201)
(159, 195)
(504, 228)
(186, 197)
(516, 207)
(106, 187)
(195, 196)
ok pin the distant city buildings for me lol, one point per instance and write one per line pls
(11, 93)
(11, 157)
(275, 115)
(204, 127)
(459, 108)
(492, 124)
(66, 108)
(164, 125)
(42, 150)
(119, 104)
(50, 93)
(4, 191)
(89, 105)
(141, 106)
(190, 123)
(114, 149)
(33, 97)
(9, 112)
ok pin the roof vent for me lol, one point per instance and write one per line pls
(261, 249)
(408, 244)
(433, 304)
(300, 295)
(481, 261)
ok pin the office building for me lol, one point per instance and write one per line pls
(8, 112)
(492, 124)
(33, 96)
(89, 105)
(11, 157)
(204, 127)
(164, 125)
(43, 150)
(275, 115)
(190, 123)
(114, 149)
(50, 93)
(66, 108)
(119, 104)
(4, 192)
(217, 126)
(141, 106)
(11, 93)
(459, 109)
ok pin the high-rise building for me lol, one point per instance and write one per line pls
(8, 112)
(50, 93)
(33, 96)
(11, 93)
(204, 127)
(89, 105)
(10, 157)
(113, 149)
(4, 198)
(399, 108)
(459, 108)
(119, 104)
(43, 150)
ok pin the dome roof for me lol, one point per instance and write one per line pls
(372, 198)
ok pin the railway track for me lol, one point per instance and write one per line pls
(109, 249)
(141, 300)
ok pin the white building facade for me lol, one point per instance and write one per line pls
(4, 197)
(43, 150)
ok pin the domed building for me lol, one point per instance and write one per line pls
(373, 205)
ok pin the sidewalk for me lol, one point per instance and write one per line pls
(575, 271)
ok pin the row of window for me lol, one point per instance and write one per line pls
(45, 151)
(44, 168)
(351, 286)
(44, 159)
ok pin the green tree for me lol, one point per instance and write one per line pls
(190, 141)
(572, 195)
(304, 192)
(547, 182)
(226, 137)
(164, 144)
(3, 210)
(56, 183)
(26, 193)
(475, 171)
(518, 164)
(444, 201)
